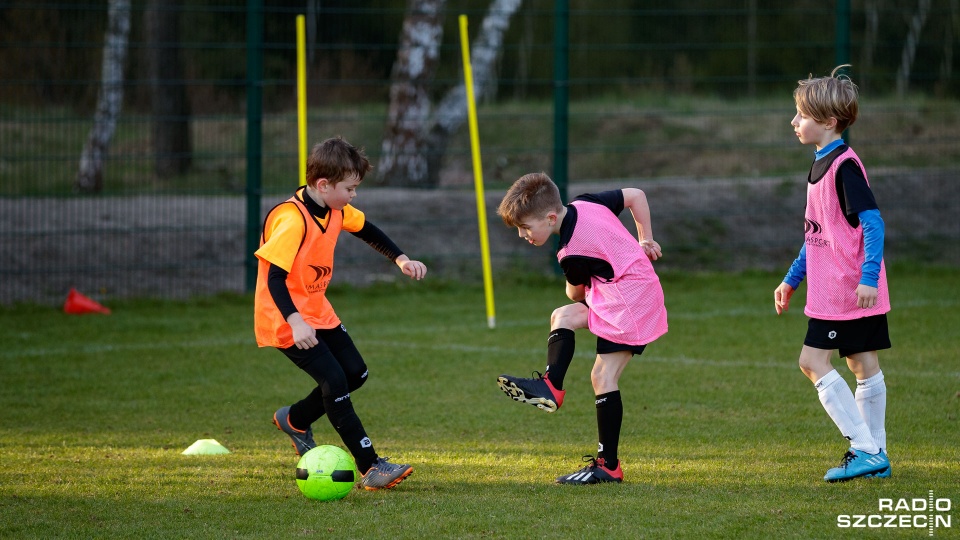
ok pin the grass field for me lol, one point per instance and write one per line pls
(723, 437)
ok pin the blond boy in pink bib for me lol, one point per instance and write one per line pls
(842, 260)
(615, 292)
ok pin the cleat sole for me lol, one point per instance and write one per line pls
(516, 394)
(871, 474)
(881, 474)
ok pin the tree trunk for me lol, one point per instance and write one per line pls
(452, 110)
(946, 63)
(172, 148)
(416, 139)
(524, 54)
(403, 161)
(910, 46)
(109, 98)
(752, 48)
(313, 15)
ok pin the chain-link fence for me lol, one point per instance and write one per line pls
(191, 109)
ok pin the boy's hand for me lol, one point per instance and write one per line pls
(781, 297)
(415, 269)
(304, 336)
(866, 296)
(651, 248)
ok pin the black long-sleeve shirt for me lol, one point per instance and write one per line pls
(369, 233)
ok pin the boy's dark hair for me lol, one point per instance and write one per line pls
(335, 159)
(823, 97)
(533, 195)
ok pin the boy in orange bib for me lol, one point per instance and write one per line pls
(293, 314)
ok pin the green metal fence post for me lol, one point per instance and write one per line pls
(842, 37)
(254, 135)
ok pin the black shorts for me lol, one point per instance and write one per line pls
(849, 337)
(605, 346)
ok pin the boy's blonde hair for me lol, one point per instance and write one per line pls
(823, 97)
(335, 159)
(533, 195)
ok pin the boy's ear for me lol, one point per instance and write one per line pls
(831, 123)
(321, 183)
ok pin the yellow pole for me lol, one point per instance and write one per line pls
(302, 97)
(477, 172)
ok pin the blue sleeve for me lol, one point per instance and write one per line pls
(873, 233)
(798, 270)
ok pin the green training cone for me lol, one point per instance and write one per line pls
(205, 447)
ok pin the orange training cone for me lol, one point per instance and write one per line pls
(78, 304)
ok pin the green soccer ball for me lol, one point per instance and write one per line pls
(326, 473)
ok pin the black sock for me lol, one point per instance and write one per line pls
(560, 347)
(609, 418)
(306, 411)
(345, 420)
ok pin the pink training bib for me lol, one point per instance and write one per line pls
(835, 253)
(628, 309)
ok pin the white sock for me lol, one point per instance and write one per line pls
(871, 399)
(840, 405)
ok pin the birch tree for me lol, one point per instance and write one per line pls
(172, 145)
(417, 133)
(109, 98)
(403, 152)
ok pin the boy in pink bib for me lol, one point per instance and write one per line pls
(616, 294)
(842, 260)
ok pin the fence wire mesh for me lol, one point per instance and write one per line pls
(691, 104)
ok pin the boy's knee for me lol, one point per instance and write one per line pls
(810, 364)
(864, 365)
(815, 364)
(356, 380)
(808, 367)
(603, 381)
(569, 316)
(556, 317)
(600, 374)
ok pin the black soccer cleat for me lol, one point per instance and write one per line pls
(594, 473)
(537, 391)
